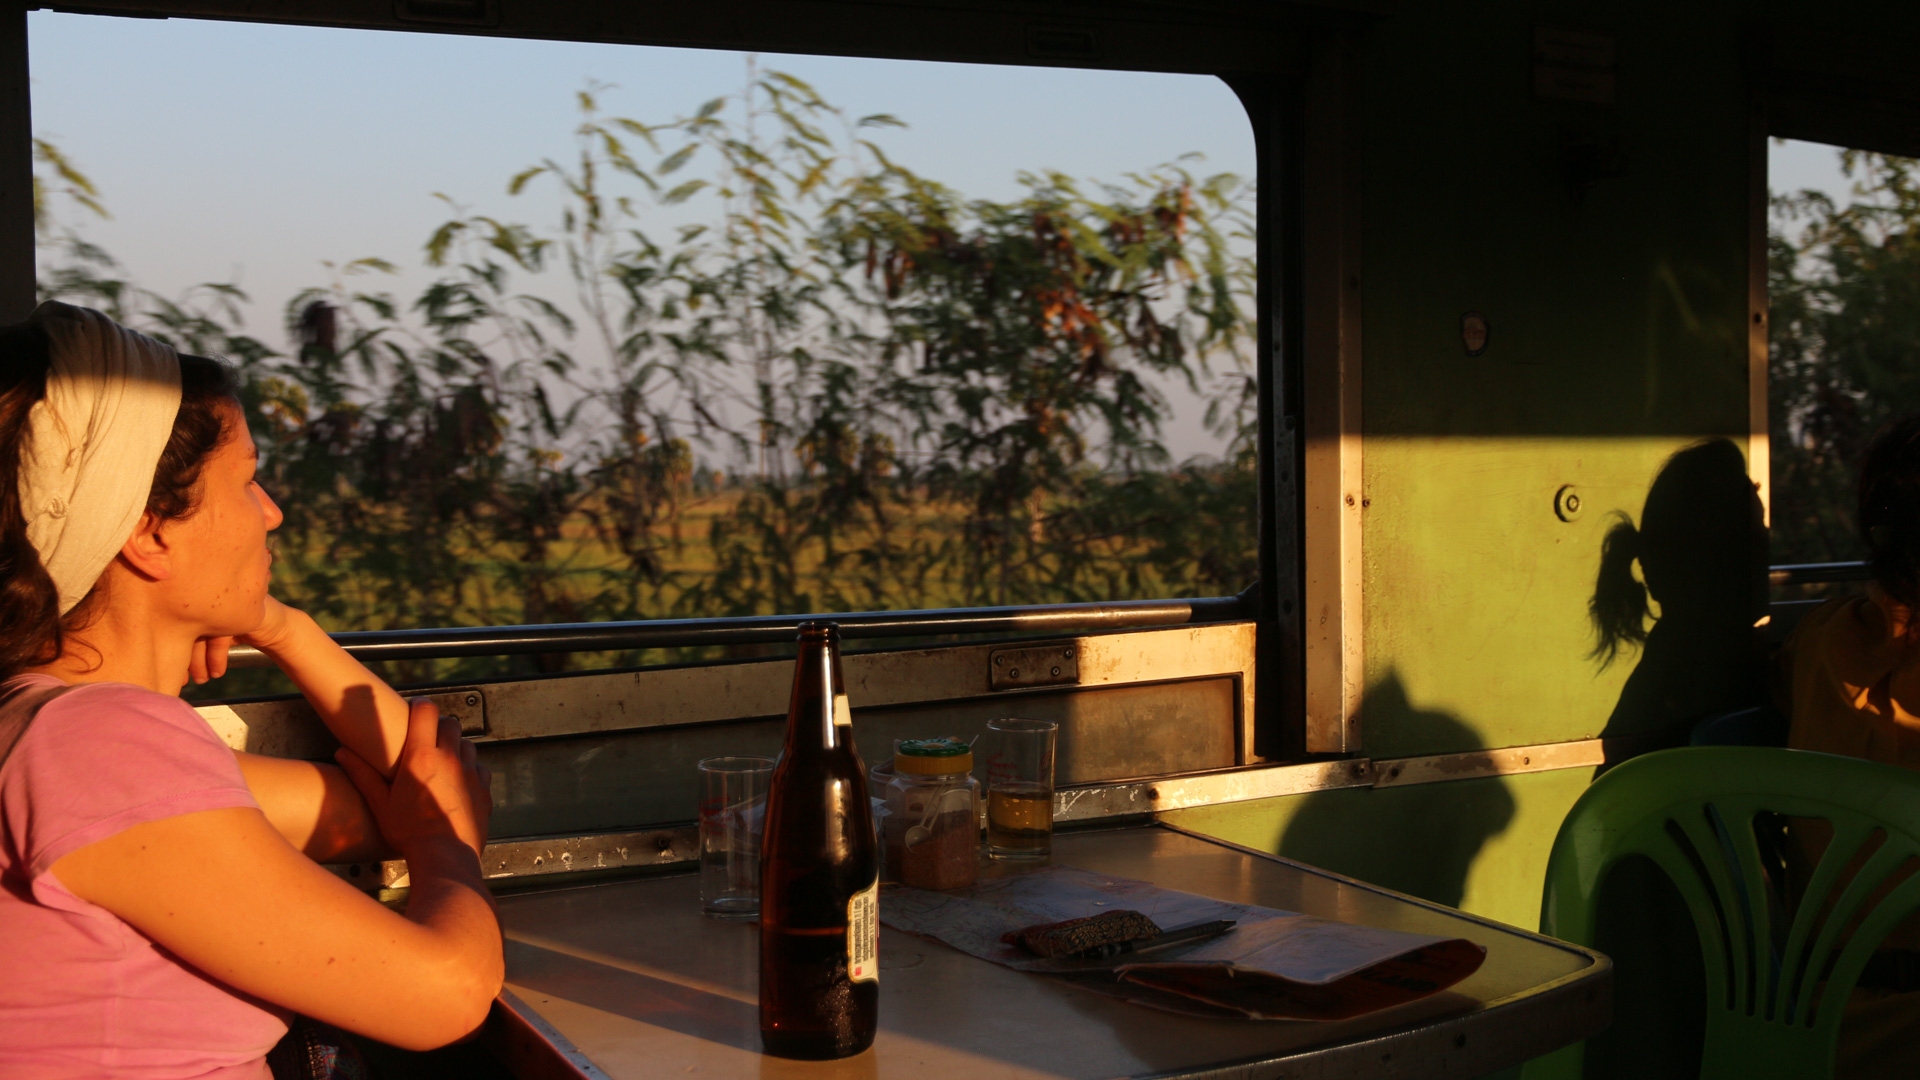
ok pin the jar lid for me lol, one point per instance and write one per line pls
(945, 756)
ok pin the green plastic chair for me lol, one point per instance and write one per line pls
(1769, 1010)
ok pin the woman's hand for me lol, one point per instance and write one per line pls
(209, 659)
(439, 790)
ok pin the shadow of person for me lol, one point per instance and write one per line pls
(1421, 839)
(1701, 547)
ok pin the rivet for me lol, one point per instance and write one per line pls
(473, 699)
(1566, 503)
(1013, 673)
(1056, 670)
(999, 660)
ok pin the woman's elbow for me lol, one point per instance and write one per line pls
(464, 995)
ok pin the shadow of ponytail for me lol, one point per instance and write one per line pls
(1619, 605)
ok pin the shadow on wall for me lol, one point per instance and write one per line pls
(1421, 839)
(1701, 554)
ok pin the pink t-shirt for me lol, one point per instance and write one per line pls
(83, 994)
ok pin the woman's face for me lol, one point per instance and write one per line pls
(220, 559)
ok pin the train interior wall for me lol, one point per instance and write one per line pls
(1607, 248)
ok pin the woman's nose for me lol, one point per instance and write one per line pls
(274, 516)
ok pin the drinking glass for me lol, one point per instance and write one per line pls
(1020, 789)
(733, 808)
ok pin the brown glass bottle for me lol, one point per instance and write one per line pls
(819, 873)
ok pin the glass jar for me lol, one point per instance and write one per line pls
(933, 815)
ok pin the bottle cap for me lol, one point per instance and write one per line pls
(945, 756)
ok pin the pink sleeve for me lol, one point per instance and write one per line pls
(104, 757)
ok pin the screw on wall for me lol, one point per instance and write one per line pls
(1566, 503)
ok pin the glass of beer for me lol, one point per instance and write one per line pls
(1020, 789)
(733, 807)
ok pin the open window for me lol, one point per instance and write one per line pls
(1843, 122)
(763, 369)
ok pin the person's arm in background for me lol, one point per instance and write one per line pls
(284, 930)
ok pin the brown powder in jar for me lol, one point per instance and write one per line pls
(949, 859)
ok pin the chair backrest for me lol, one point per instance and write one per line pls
(1775, 993)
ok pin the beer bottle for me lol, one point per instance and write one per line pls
(819, 873)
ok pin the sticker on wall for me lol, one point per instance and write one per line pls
(1474, 332)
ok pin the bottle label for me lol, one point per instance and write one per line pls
(863, 933)
(842, 712)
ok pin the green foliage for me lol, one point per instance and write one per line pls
(930, 400)
(1845, 344)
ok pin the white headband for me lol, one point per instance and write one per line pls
(93, 442)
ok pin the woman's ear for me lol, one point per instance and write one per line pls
(146, 551)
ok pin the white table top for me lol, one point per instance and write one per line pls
(629, 980)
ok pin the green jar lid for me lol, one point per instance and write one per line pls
(933, 757)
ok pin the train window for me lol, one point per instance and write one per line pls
(545, 332)
(1843, 334)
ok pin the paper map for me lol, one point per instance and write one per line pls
(1273, 965)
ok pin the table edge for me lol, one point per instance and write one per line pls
(531, 1048)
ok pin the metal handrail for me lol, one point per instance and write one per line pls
(760, 629)
(436, 644)
(1817, 573)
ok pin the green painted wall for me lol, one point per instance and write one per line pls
(1619, 315)
(1618, 310)
(1479, 845)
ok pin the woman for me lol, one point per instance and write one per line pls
(1849, 682)
(163, 912)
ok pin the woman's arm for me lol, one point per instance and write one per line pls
(279, 927)
(315, 807)
(358, 706)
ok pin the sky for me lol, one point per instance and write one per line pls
(1793, 165)
(254, 154)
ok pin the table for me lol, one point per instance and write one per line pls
(628, 980)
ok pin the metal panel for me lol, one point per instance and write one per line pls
(1474, 764)
(637, 778)
(730, 691)
(1759, 446)
(615, 750)
(1141, 36)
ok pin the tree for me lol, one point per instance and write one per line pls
(1844, 343)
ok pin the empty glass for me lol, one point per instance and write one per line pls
(733, 809)
(1020, 788)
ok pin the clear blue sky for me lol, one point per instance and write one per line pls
(229, 151)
